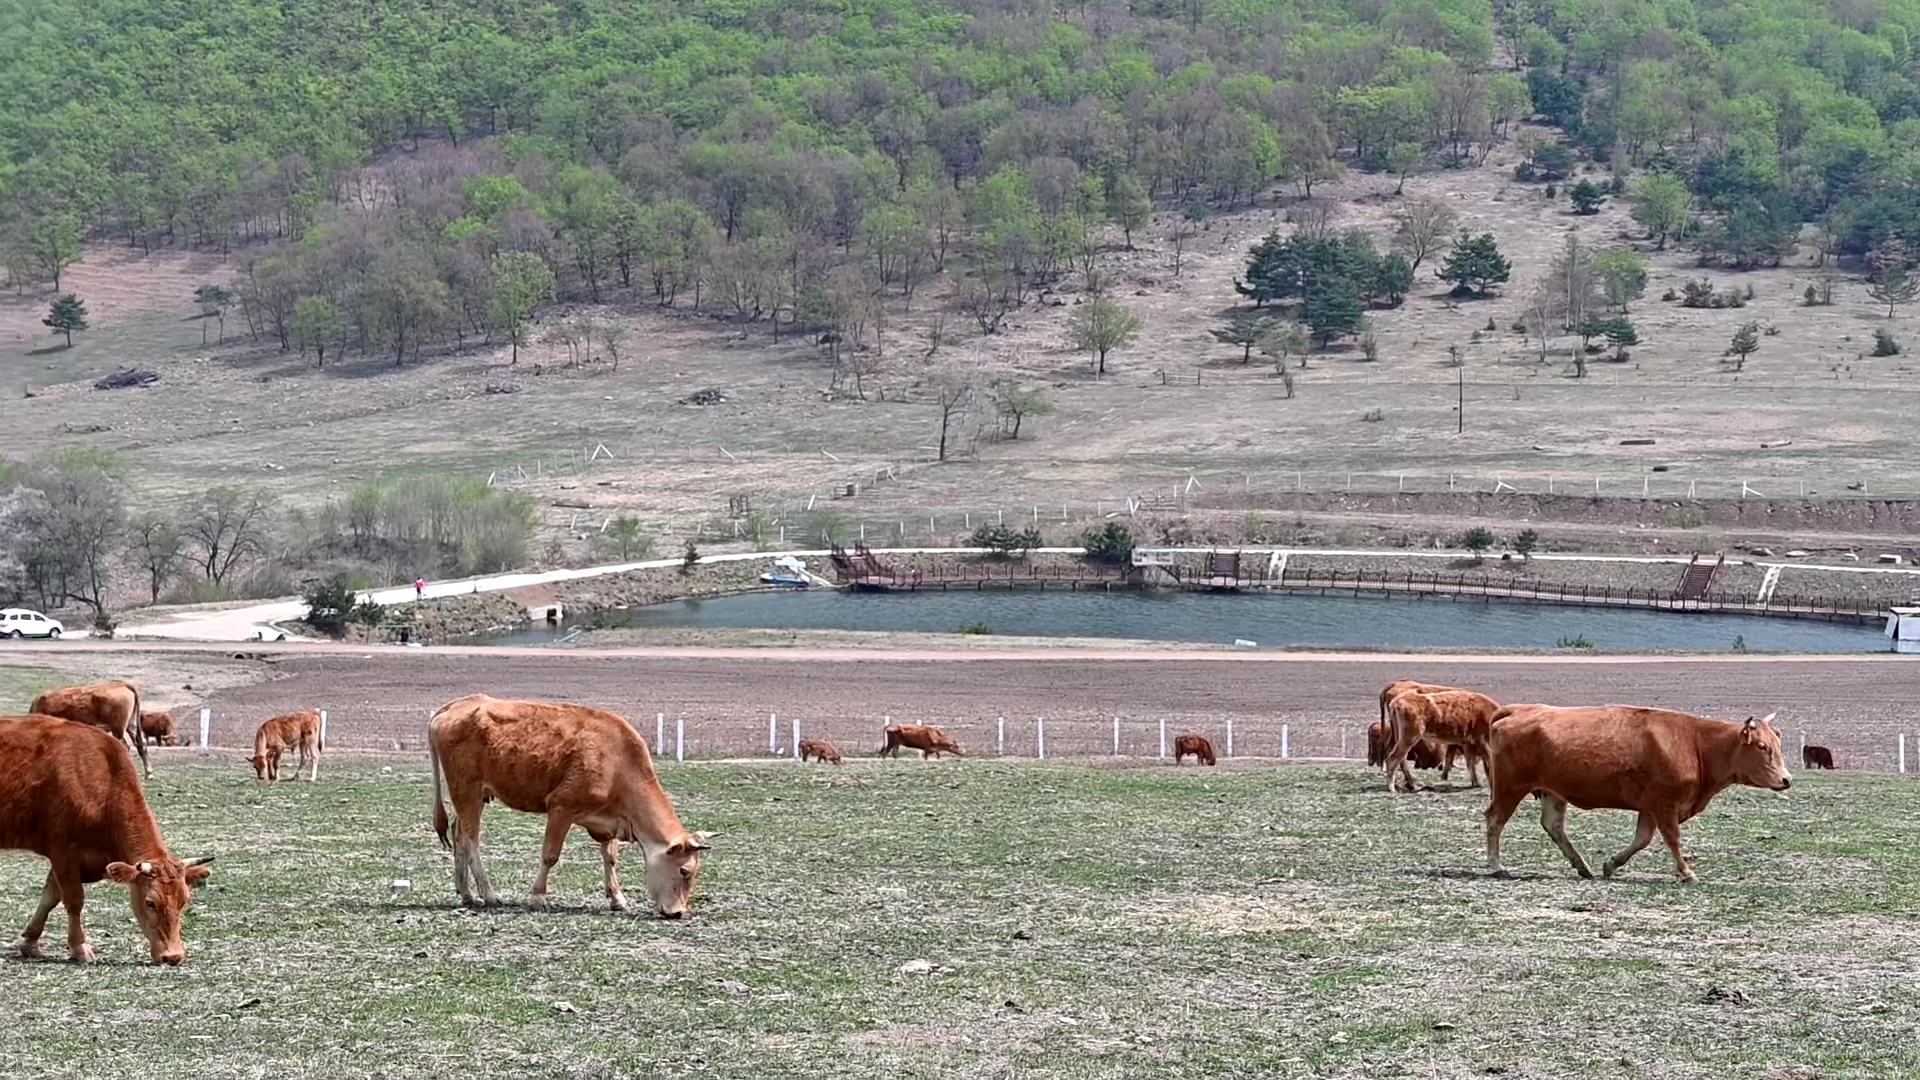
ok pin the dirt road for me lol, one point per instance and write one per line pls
(380, 698)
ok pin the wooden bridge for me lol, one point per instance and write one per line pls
(862, 569)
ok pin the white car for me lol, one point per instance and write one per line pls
(19, 623)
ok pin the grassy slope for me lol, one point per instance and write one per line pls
(1199, 923)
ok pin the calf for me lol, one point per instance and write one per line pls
(68, 794)
(112, 706)
(1197, 745)
(276, 736)
(578, 766)
(1424, 754)
(1665, 766)
(930, 741)
(1448, 718)
(1816, 757)
(157, 728)
(819, 749)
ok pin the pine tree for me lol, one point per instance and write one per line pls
(68, 313)
(1746, 341)
(1588, 197)
(1475, 264)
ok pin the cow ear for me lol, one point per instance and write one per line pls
(197, 873)
(122, 873)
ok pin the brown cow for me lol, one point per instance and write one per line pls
(1424, 754)
(1816, 757)
(1666, 766)
(578, 766)
(157, 727)
(825, 751)
(112, 706)
(1447, 718)
(1197, 745)
(276, 736)
(1395, 689)
(68, 794)
(930, 741)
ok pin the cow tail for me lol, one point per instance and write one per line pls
(439, 806)
(139, 722)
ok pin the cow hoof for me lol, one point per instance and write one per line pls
(81, 955)
(1584, 872)
(30, 950)
(1689, 880)
(619, 904)
(1501, 872)
(538, 900)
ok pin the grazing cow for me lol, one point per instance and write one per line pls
(276, 736)
(930, 741)
(1816, 757)
(1665, 766)
(69, 795)
(578, 766)
(1447, 718)
(1424, 754)
(112, 706)
(825, 751)
(157, 727)
(1197, 745)
(1395, 689)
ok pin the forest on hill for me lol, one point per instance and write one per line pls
(806, 160)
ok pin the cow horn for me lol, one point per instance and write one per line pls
(1749, 722)
(700, 842)
(201, 861)
(1768, 719)
(145, 868)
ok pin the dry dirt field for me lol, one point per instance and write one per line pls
(256, 415)
(379, 698)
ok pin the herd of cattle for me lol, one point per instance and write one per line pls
(69, 792)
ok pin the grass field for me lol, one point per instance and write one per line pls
(1096, 922)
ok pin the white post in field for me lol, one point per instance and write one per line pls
(1040, 730)
(680, 738)
(313, 774)
(1163, 738)
(1116, 736)
(1343, 743)
(1000, 740)
(773, 733)
(1229, 736)
(796, 738)
(659, 732)
(1286, 742)
(1903, 751)
(206, 732)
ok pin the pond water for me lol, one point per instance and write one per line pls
(1269, 620)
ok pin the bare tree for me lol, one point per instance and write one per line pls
(1015, 403)
(1422, 227)
(1578, 282)
(1100, 326)
(157, 548)
(953, 387)
(613, 335)
(1546, 313)
(227, 526)
(68, 513)
(987, 301)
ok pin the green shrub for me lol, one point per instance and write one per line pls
(1578, 641)
(1001, 540)
(1111, 543)
(330, 605)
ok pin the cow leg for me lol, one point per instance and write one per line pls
(1397, 759)
(557, 826)
(1670, 832)
(1473, 775)
(139, 740)
(1499, 809)
(1642, 836)
(30, 937)
(313, 774)
(1553, 818)
(469, 868)
(1446, 761)
(73, 893)
(610, 854)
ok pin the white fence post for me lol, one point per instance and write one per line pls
(659, 732)
(206, 732)
(1286, 741)
(796, 737)
(1116, 736)
(773, 734)
(1903, 751)
(1163, 738)
(1000, 740)
(680, 738)
(1229, 736)
(1040, 732)
(1343, 743)
(314, 773)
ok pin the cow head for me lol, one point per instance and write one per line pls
(259, 766)
(672, 871)
(160, 891)
(946, 743)
(1757, 761)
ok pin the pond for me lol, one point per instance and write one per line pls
(1269, 620)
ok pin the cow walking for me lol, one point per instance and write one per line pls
(1196, 745)
(112, 706)
(820, 749)
(1447, 718)
(578, 766)
(299, 730)
(930, 741)
(69, 795)
(1816, 757)
(1665, 766)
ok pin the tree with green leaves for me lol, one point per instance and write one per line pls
(1100, 326)
(1015, 403)
(1621, 336)
(1243, 330)
(1475, 265)
(67, 314)
(1283, 341)
(1334, 309)
(1525, 542)
(1746, 341)
(1128, 205)
(1402, 159)
(213, 300)
(1392, 279)
(1588, 197)
(1663, 206)
(522, 282)
(1477, 540)
(1623, 275)
(54, 240)
(316, 322)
